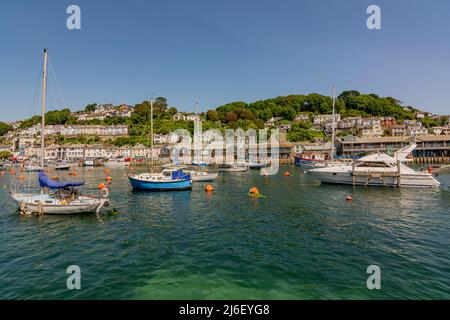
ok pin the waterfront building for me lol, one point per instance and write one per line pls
(99, 151)
(427, 146)
(350, 122)
(123, 152)
(399, 130)
(75, 130)
(71, 152)
(322, 119)
(311, 148)
(373, 131)
(94, 130)
(417, 131)
(441, 130)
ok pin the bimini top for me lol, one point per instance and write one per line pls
(45, 181)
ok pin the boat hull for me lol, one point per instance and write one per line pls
(406, 180)
(256, 166)
(59, 209)
(204, 178)
(63, 167)
(307, 163)
(177, 185)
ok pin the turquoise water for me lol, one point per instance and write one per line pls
(302, 240)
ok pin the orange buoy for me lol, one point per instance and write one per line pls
(106, 170)
(12, 172)
(55, 178)
(253, 190)
(349, 198)
(2, 173)
(287, 174)
(209, 188)
(108, 178)
(74, 173)
(21, 177)
(101, 186)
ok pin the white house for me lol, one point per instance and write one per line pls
(417, 131)
(372, 131)
(325, 118)
(301, 117)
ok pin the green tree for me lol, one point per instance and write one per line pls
(143, 110)
(212, 115)
(90, 107)
(5, 154)
(231, 117)
(57, 117)
(5, 128)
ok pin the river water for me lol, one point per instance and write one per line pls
(301, 240)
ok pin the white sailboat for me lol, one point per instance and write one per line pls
(377, 170)
(54, 197)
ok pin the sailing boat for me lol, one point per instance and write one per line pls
(170, 179)
(54, 197)
(317, 160)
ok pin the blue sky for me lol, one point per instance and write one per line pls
(216, 51)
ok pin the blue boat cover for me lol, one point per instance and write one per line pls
(180, 175)
(45, 181)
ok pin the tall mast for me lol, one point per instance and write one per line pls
(44, 91)
(333, 134)
(151, 131)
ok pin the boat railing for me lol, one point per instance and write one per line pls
(33, 189)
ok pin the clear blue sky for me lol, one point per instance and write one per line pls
(217, 51)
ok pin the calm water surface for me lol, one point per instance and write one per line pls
(302, 240)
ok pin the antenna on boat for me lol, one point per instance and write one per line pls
(44, 91)
(333, 134)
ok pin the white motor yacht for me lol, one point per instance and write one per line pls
(377, 170)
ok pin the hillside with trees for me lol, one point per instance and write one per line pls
(243, 115)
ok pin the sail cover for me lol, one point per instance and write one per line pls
(45, 181)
